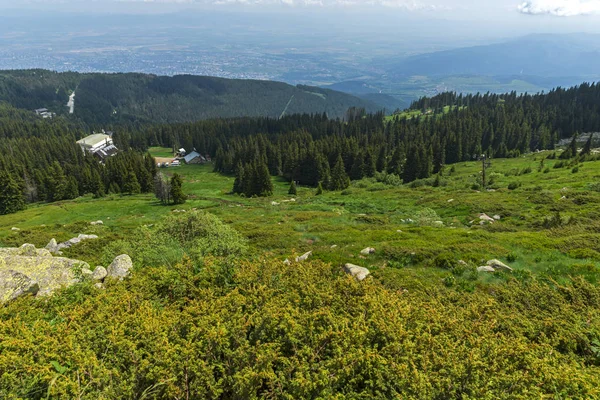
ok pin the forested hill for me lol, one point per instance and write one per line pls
(120, 98)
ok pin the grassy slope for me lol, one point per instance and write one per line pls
(370, 215)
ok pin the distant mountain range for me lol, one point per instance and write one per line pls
(527, 64)
(134, 97)
(536, 55)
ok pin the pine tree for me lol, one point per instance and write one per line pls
(263, 180)
(339, 178)
(319, 189)
(72, 189)
(11, 194)
(96, 184)
(293, 191)
(587, 148)
(131, 185)
(177, 194)
(238, 183)
(382, 160)
(369, 165)
(357, 172)
(56, 183)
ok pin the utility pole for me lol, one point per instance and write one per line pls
(485, 163)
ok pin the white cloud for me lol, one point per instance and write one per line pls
(560, 8)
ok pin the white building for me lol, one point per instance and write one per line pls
(95, 142)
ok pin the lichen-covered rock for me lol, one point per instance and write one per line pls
(97, 223)
(360, 273)
(52, 246)
(120, 267)
(25, 250)
(87, 274)
(51, 273)
(14, 284)
(73, 241)
(486, 268)
(99, 273)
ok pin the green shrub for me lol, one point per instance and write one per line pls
(513, 185)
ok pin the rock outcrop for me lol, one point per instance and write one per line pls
(360, 273)
(55, 247)
(120, 267)
(14, 284)
(28, 270)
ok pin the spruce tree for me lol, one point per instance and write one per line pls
(293, 191)
(587, 148)
(339, 178)
(319, 189)
(238, 183)
(131, 185)
(369, 168)
(263, 179)
(177, 194)
(72, 189)
(11, 194)
(357, 172)
(382, 160)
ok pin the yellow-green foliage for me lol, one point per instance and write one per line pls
(262, 329)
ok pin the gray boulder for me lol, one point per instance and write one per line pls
(497, 264)
(86, 274)
(51, 273)
(360, 273)
(120, 267)
(486, 268)
(52, 246)
(99, 273)
(367, 251)
(304, 257)
(14, 284)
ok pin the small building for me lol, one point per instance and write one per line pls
(99, 144)
(95, 142)
(44, 113)
(194, 158)
(181, 152)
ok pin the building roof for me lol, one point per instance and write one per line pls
(106, 152)
(191, 156)
(93, 140)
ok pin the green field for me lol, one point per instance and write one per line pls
(336, 226)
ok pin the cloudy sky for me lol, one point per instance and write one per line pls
(558, 8)
(491, 18)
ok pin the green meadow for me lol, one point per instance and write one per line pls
(548, 226)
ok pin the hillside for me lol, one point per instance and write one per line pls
(121, 98)
(536, 56)
(255, 327)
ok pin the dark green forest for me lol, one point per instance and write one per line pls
(134, 98)
(306, 148)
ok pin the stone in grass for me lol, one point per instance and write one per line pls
(497, 264)
(304, 257)
(367, 251)
(120, 267)
(358, 272)
(486, 268)
(99, 273)
(14, 284)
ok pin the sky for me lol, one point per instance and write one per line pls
(488, 18)
(558, 8)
